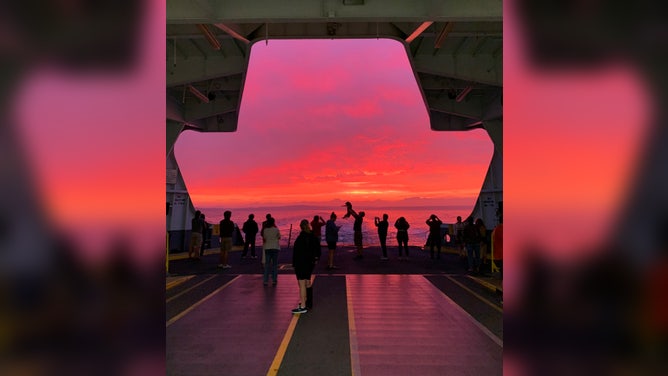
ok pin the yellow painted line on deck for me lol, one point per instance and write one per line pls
(488, 285)
(352, 333)
(189, 289)
(177, 281)
(278, 359)
(280, 353)
(177, 317)
(475, 294)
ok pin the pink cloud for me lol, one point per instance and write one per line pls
(363, 109)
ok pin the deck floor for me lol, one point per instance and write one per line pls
(361, 324)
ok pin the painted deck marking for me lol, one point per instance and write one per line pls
(280, 353)
(175, 318)
(355, 369)
(188, 289)
(475, 294)
(178, 281)
(278, 359)
(475, 322)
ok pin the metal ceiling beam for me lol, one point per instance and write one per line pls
(243, 11)
(470, 110)
(479, 69)
(174, 110)
(200, 69)
(230, 29)
(443, 34)
(220, 105)
(440, 121)
(325, 30)
(476, 108)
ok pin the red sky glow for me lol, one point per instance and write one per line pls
(332, 120)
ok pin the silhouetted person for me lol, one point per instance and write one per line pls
(484, 244)
(497, 247)
(434, 239)
(357, 232)
(402, 227)
(303, 259)
(206, 236)
(316, 226)
(349, 209)
(331, 237)
(226, 231)
(472, 243)
(270, 246)
(195, 235)
(459, 236)
(264, 224)
(382, 233)
(250, 230)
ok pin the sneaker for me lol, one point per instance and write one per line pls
(254, 257)
(299, 309)
(384, 259)
(221, 266)
(227, 266)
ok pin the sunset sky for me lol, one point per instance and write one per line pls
(332, 120)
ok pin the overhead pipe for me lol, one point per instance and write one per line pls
(209, 36)
(462, 95)
(198, 94)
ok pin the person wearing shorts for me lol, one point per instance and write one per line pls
(197, 223)
(303, 260)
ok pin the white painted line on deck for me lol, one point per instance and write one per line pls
(475, 322)
(355, 369)
(175, 318)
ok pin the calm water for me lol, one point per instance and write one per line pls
(291, 216)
